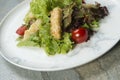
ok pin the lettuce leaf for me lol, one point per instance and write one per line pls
(59, 46)
(67, 44)
(41, 8)
(53, 46)
(67, 12)
(33, 40)
(27, 43)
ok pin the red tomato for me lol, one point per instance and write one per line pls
(80, 35)
(21, 30)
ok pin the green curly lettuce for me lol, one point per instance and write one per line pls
(40, 9)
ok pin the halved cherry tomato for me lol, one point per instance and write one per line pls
(80, 35)
(20, 31)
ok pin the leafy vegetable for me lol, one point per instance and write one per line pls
(29, 16)
(67, 12)
(67, 44)
(75, 14)
(27, 43)
(53, 46)
(33, 40)
(41, 8)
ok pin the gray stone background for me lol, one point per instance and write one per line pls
(106, 67)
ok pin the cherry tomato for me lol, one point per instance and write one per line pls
(20, 31)
(80, 35)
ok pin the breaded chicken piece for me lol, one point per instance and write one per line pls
(56, 21)
(33, 29)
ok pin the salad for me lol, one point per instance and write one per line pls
(58, 26)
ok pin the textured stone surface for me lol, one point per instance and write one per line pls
(106, 67)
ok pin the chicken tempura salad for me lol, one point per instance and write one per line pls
(58, 25)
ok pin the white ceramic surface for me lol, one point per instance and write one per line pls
(36, 59)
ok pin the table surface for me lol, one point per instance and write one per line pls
(106, 67)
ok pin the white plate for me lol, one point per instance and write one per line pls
(36, 59)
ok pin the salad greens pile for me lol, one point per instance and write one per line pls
(78, 18)
(41, 9)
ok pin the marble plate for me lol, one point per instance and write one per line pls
(36, 59)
